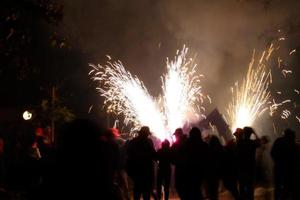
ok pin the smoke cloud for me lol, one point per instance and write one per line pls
(221, 35)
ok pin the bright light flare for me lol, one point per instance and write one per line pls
(243, 116)
(251, 98)
(127, 95)
(27, 115)
(181, 91)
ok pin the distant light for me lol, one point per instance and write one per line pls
(27, 115)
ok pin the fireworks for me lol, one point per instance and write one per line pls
(285, 114)
(293, 51)
(298, 119)
(126, 94)
(181, 91)
(285, 72)
(274, 106)
(181, 99)
(251, 98)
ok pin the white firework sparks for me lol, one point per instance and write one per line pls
(285, 72)
(298, 119)
(285, 114)
(293, 51)
(181, 91)
(127, 95)
(274, 106)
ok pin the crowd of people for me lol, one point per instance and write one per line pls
(91, 162)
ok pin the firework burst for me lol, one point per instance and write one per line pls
(251, 98)
(181, 91)
(126, 94)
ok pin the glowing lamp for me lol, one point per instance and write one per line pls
(27, 115)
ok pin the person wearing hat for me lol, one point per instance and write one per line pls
(144, 132)
(164, 169)
(238, 133)
(178, 159)
(178, 133)
(196, 164)
(141, 155)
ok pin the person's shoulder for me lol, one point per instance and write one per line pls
(131, 143)
(279, 141)
(204, 143)
(159, 151)
(133, 140)
(175, 145)
(150, 141)
(256, 141)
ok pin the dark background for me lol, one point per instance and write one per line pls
(221, 35)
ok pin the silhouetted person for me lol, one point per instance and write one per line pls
(164, 169)
(246, 162)
(86, 163)
(24, 170)
(30, 164)
(120, 179)
(46, 154)
(263, 162)
(230, 174)
(215, 166)
(141, 155)
(179, 160)
(196, 164)
(284, 154)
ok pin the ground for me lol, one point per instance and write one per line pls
(260, 194)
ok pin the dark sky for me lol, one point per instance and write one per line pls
(221, 34)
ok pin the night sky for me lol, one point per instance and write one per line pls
(221, 36)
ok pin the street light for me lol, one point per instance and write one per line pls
(27, 115)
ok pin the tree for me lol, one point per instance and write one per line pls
(20, 26)
(53, 110)
(29, 42)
